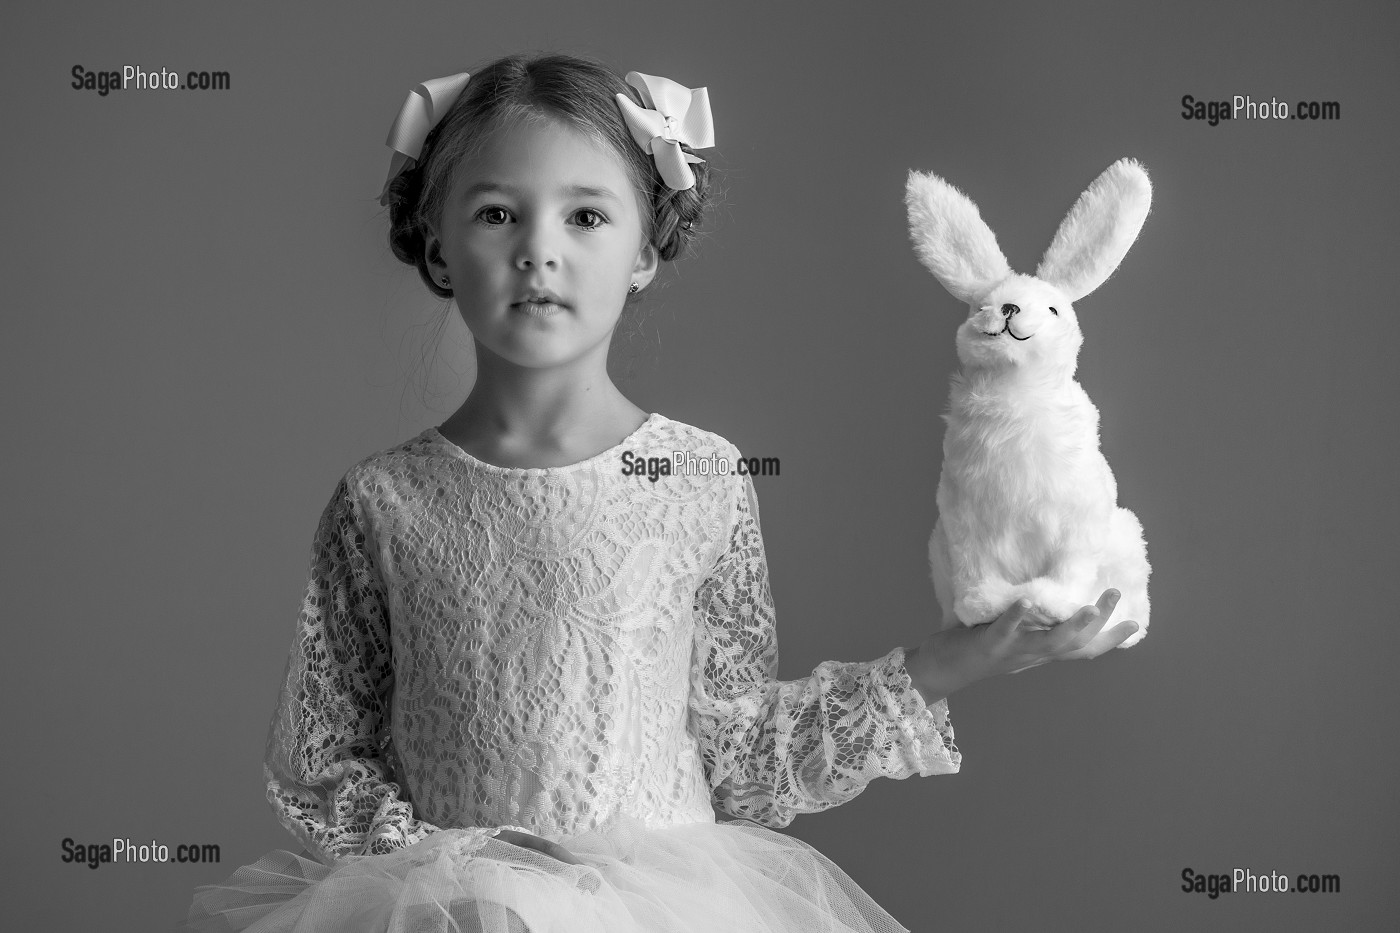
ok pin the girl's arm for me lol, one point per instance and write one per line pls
(774, 749)
(328, 775)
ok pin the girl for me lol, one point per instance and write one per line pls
(525, 677)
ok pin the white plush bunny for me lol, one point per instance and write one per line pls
(1027, 505)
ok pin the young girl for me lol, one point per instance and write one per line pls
(526, 672)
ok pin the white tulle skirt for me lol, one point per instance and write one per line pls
(695, 878)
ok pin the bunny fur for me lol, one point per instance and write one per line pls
(1027, 504)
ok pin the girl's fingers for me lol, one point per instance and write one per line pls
(1093, 618)
(1122, 632)
(1004, 627)
(539, 844)
(561, 853)
(1105, 641)
(1081, 636)
(1109, 639)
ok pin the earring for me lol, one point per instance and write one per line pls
(634, 289)
(445, 280)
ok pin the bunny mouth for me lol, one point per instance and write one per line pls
(1008, 330)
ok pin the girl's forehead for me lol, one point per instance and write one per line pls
(531, 146)
(543, 157)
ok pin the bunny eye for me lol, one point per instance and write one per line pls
(1054, 312)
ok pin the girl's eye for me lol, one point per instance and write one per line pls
(598, 219)
(495, 216)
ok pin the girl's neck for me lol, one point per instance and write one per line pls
(517, 417)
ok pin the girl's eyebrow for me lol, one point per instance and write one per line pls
(568, 191)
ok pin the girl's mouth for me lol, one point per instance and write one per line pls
(540, 308)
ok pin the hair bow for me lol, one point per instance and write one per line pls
(425, 107)
(677, 115)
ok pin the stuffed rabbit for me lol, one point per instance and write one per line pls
(1027, 505)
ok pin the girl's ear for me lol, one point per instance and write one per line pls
(432, 254)
(646, 266)
(1095, 235)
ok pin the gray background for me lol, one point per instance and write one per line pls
(203, 328)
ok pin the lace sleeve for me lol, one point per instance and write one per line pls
(772, 749)
(327, 766)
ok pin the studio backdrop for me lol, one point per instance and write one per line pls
(203, 329)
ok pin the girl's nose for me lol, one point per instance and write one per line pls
(538, 248)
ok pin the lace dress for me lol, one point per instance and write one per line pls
(578, 652)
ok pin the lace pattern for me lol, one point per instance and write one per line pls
(551, 649)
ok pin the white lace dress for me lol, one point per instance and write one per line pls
(580, 653)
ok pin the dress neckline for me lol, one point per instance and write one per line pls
(614, 451)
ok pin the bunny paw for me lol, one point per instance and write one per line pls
(983, 603)
(1051, 603)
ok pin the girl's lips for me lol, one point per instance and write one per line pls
(539, 308)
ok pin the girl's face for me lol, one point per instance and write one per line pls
(542, 209)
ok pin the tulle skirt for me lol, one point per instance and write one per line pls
(734, 877)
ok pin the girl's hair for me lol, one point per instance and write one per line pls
(521, 89)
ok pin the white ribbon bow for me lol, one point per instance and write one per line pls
(677, 115)
(425, 107)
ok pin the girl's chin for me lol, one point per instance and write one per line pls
(541, 348)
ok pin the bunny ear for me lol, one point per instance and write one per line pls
(1096, 233)
(951, 239)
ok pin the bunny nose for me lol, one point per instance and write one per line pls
(1009, 309)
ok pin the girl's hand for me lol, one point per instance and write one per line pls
(961, 655)
(1091, 639)
(531, 841)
